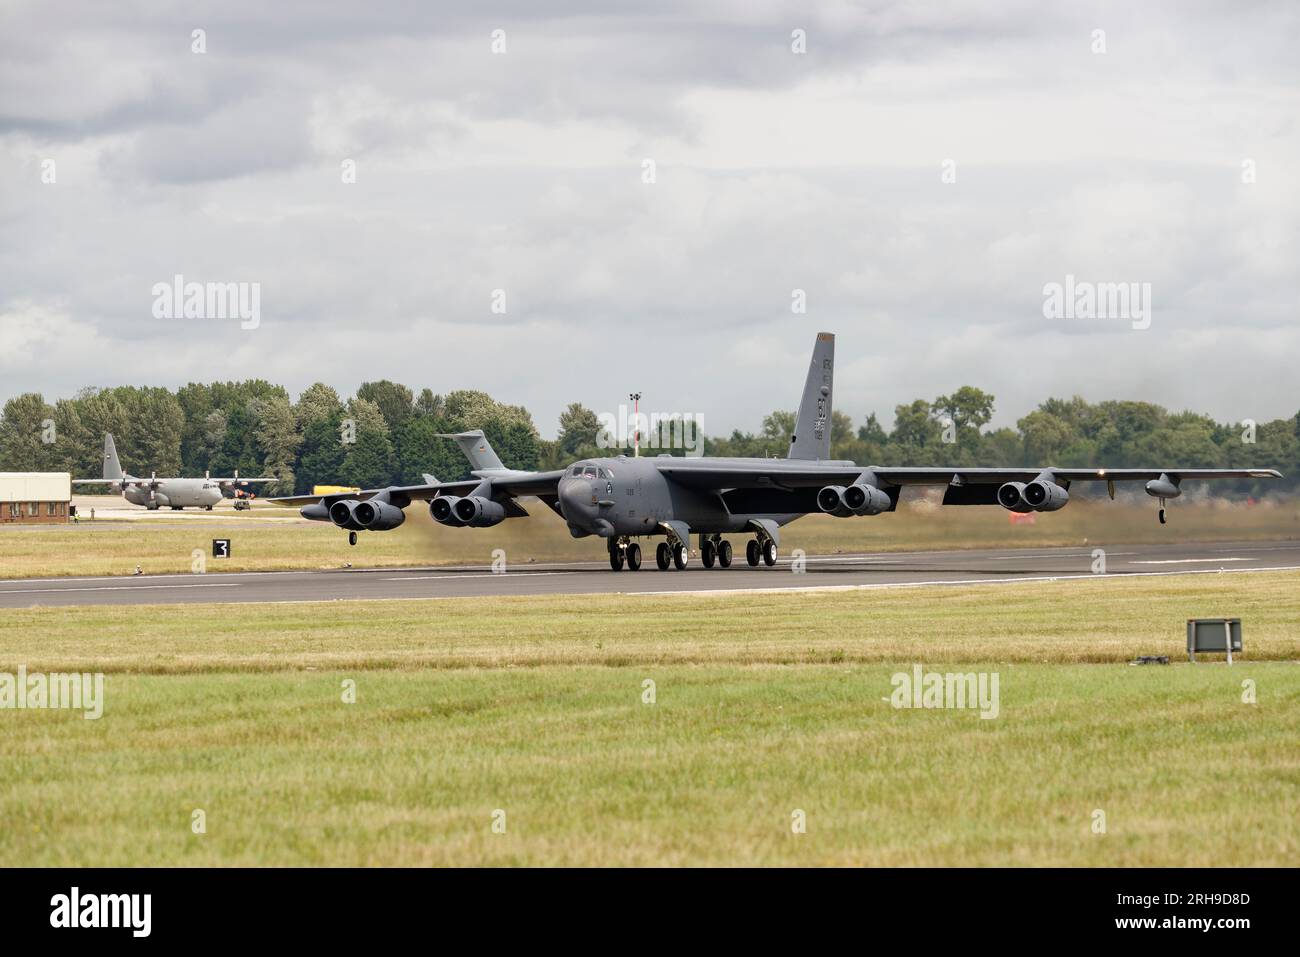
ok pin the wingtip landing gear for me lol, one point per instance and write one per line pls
(352, 538)
(1162, 512)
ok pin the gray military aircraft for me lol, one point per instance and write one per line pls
(622, 499)
(155, 493)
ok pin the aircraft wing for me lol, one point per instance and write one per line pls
(514, 484)
(720, 474)
(123, 482)
(945, 476)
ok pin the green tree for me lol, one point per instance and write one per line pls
(24, 428)
(394, 401)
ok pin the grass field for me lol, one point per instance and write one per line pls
(164, 543)
(764, 705)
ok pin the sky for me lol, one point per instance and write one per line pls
(571, 201)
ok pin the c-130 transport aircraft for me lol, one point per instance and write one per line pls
(622, 499)
(174, 493)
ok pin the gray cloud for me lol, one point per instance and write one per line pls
(774, 172)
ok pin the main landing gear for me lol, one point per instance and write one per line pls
(756, 551)
(622, 551)
(714, 551)
(675, 554)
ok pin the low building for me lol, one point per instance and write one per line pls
(35, 496)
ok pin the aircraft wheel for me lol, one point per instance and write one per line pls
(707, 553)
(751, 552)
(724, 553)
(662, 556)
(209, 508)
(1162, 516)
(680, 556)
(352, 538)
(634, 557)
(616, 559)
(769, 554)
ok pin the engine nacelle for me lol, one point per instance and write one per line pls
(831, 501)
(317, 512)
(378, 516)
(1045, 496)
(1163, 487)
(443, 510)
(343, 514)
(865, 500)
(1012, 497)
(478, 512)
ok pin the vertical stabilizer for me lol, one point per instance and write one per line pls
(112, 467)
(476, 448)
(812, 426)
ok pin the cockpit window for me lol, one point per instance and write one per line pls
(589, 471)
(576, 471)
(602, 473)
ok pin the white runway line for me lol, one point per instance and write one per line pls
(965, 581)
(1188, 561)
(51, 591)
(462, 575)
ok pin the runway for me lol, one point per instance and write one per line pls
(866, 571)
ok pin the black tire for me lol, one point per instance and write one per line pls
(662, 556)
(724, 553)
(707, 553)
(352, 538)
(769, 554)
(680, 556)
(751, 553)
(634, 557)
(1162, 516)
(616, 559)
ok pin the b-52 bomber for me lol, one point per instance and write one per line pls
(624, 499)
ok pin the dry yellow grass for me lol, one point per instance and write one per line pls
(163, 544)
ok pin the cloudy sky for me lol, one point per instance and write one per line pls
(1171, 158)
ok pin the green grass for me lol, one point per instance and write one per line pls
(166, 544)
(710, 774)
(764, 704)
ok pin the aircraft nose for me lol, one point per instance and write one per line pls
(575, 499)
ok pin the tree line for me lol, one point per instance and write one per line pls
(386, 434)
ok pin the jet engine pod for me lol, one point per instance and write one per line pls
(378, 516)
(478, 512)
(831, 500)
(1163, 487)
(865, 500)
(343, 514)
(1045, 496)
(1012, 497)
(443, 510)
(317, 512)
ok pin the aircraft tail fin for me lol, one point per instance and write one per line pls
(112, 467)
(476, 448)
(430, 478)
(812, 426)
